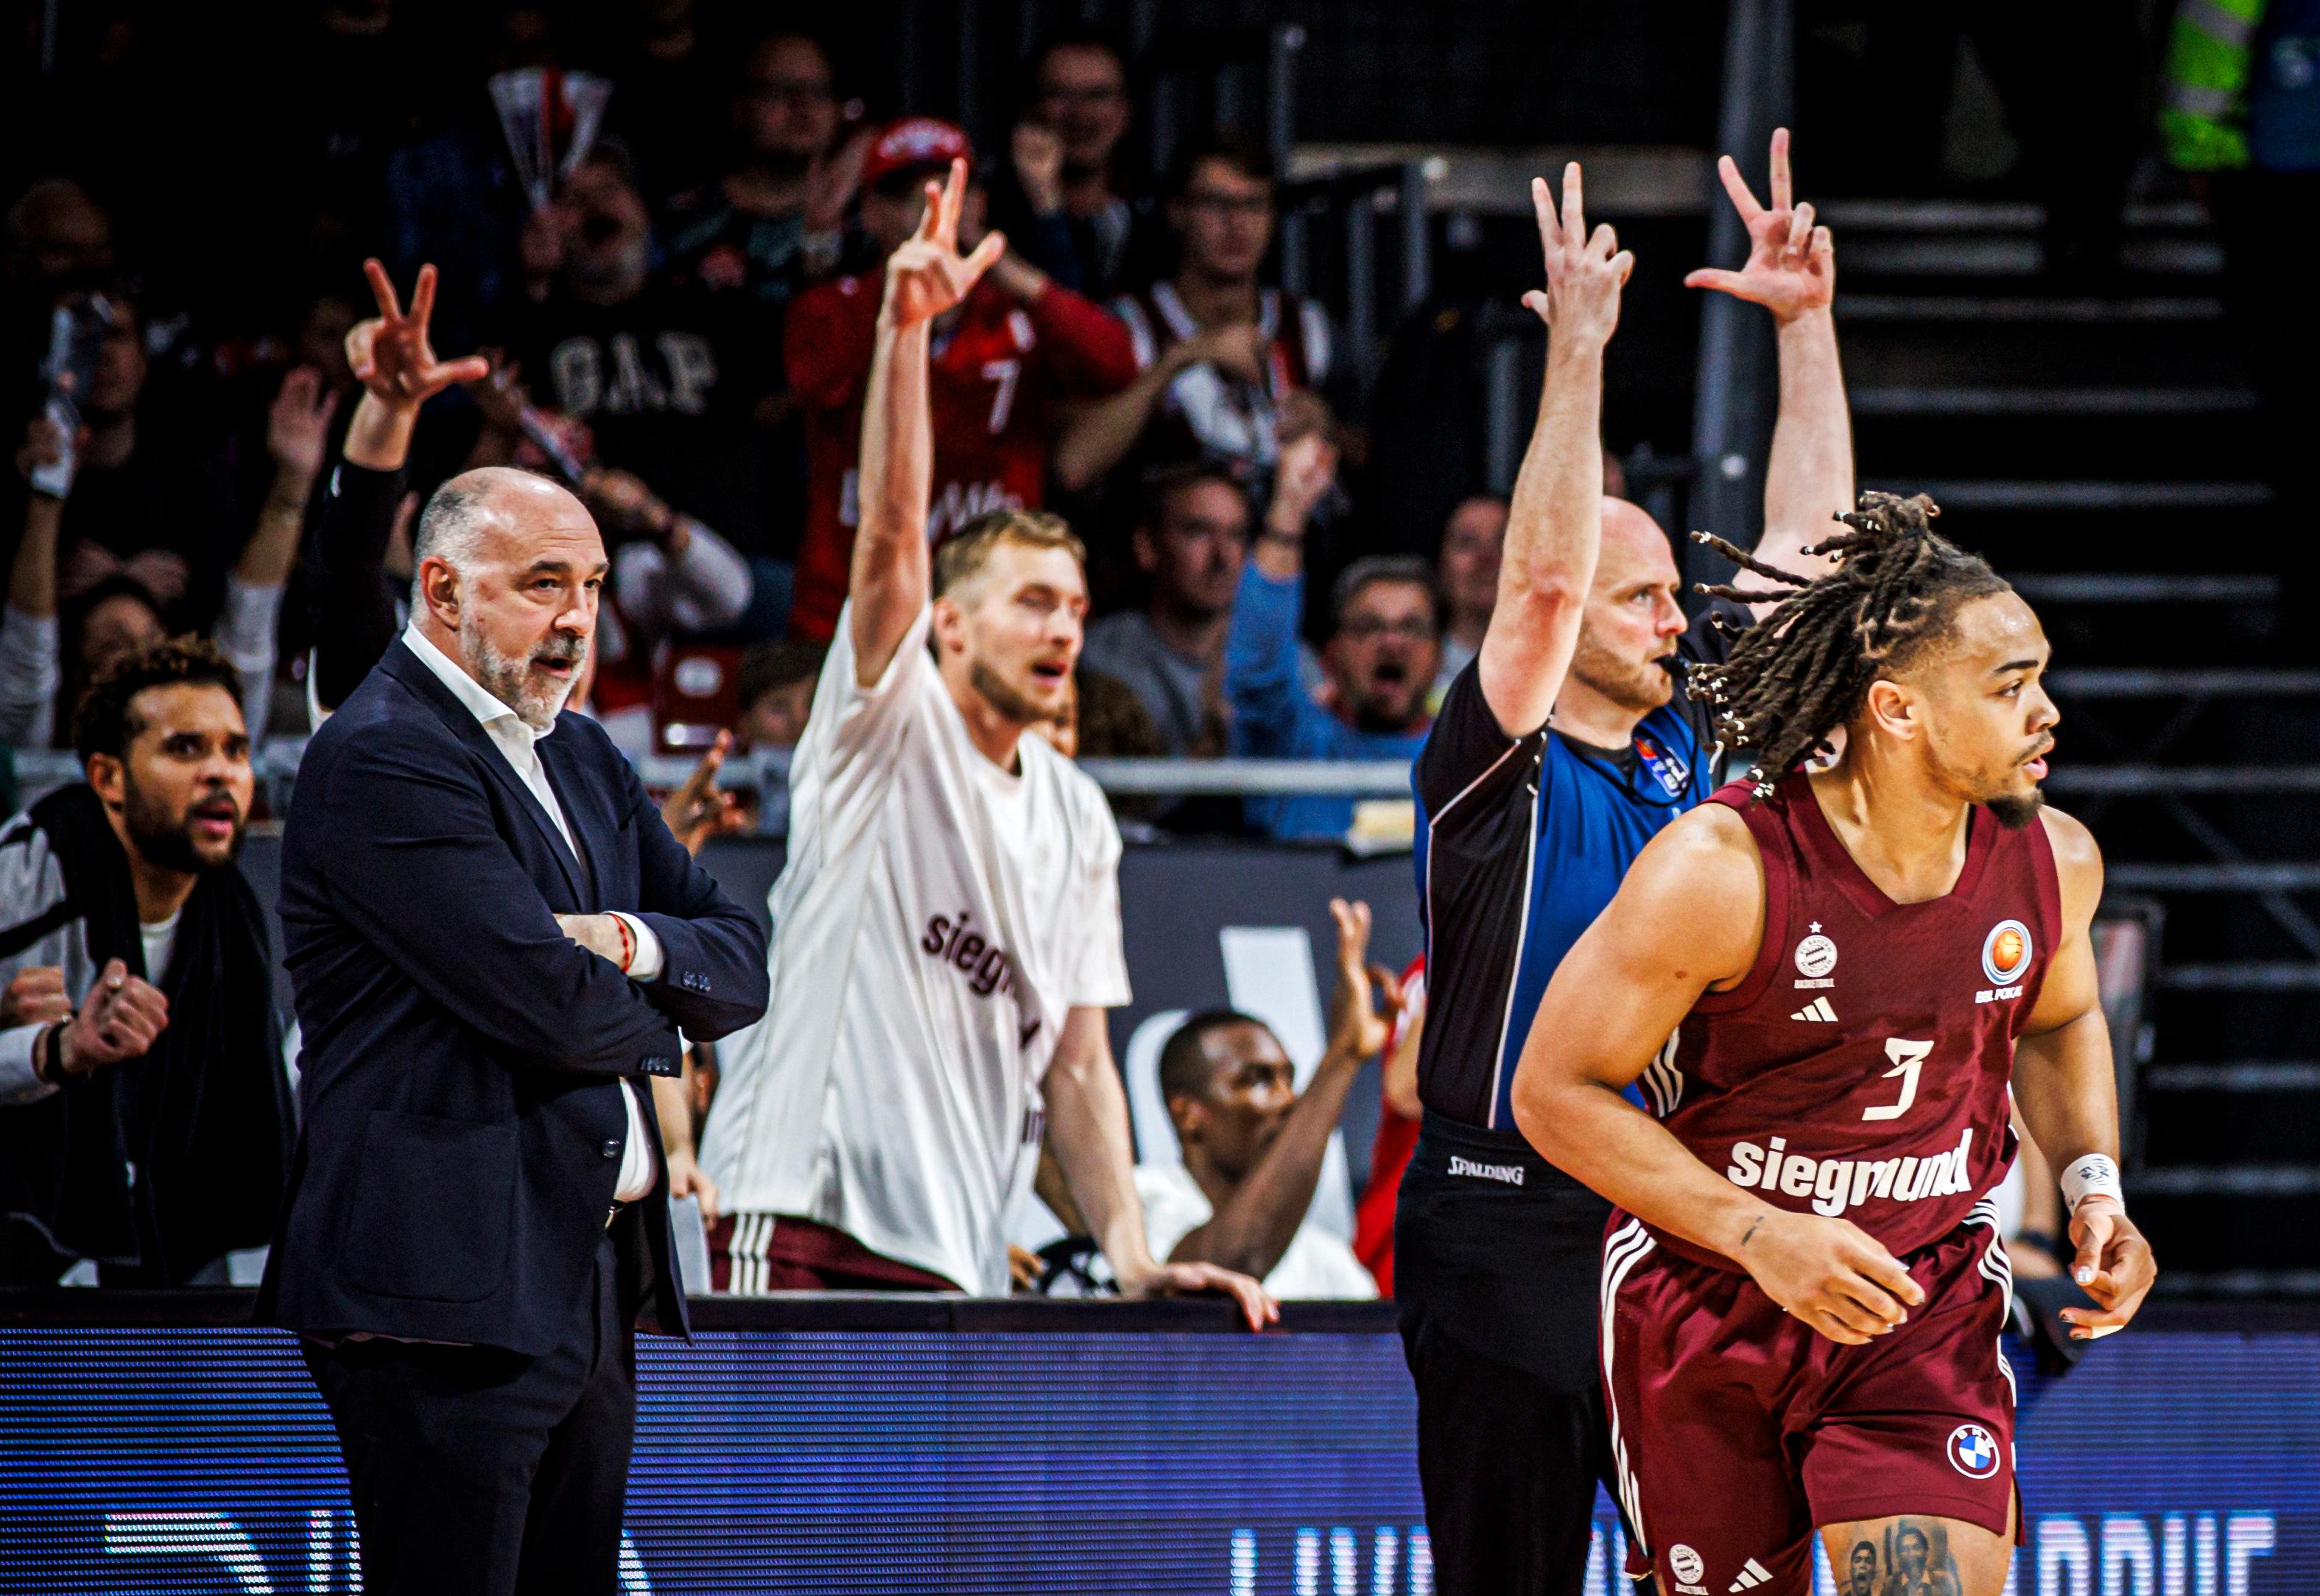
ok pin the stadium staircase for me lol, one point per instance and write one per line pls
(2099, 448)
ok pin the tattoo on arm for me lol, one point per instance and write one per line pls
(1751, 1236)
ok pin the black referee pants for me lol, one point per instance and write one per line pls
(1509, 1467)
(1498, 1264)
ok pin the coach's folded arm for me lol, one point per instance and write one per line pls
(489, 949)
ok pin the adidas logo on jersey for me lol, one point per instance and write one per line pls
(1818, 1008)
(1835, 1184)
(1752, 1574)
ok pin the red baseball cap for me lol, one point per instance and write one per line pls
(915, 141)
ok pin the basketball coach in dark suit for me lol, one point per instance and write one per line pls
(493, 940)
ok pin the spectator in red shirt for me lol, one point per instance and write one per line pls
(1002, 359)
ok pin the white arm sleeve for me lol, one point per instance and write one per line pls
(18, 1084)
(705, 589)
(29, 679)
(245, 636)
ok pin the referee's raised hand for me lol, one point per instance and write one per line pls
(1792, 265)
(1584, 271)
(927, 275)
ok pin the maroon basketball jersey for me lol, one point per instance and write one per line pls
(1861, 1068)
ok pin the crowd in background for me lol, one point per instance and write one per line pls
(678, 316)
(664, 295)
(679, 324)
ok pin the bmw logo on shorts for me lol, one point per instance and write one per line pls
(1973, 1452)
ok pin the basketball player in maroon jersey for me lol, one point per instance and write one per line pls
(1827, 981)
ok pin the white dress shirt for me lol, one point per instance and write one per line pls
(517, 743)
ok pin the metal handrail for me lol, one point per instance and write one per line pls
(39, 769)
(277, 760)
(1328, 778)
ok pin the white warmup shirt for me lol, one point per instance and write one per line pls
(937, 919)
(1316, 1263)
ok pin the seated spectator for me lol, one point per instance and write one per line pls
(58, 240)
(144, 498)
(49, 649)
(1230, 369)
(1005, 358)
(667, 383)
(452, 197)
(343, 88)
(673, 579)
(147, 1119)
(777, 690)
(1253, 1144)
(773, 222)
(775, 219)
(1069, 207)
(667, 80)
(1101, 720)
(1190, 540)
(1379, 663)
(1468, 573)
(56, 243)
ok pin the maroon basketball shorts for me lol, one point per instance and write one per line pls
(1736, 1431)
(752, 1254)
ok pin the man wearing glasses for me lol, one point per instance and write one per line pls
(1231, 368)
(1377, 668)
(1069, 164)
(775, 219)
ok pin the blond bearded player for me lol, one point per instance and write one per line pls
(946, 930)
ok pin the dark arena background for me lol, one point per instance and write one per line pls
(2074, 305)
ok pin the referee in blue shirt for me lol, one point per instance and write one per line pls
(1557, 755)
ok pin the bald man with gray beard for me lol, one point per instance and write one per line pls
(493, 940)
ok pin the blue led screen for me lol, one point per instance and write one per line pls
(139, 1460)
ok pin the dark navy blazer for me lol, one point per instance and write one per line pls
(461, 1117)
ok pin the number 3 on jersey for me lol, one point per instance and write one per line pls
(1908, 1057)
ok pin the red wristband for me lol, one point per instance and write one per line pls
(627, 944)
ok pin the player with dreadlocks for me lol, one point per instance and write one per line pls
(1827, 979)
